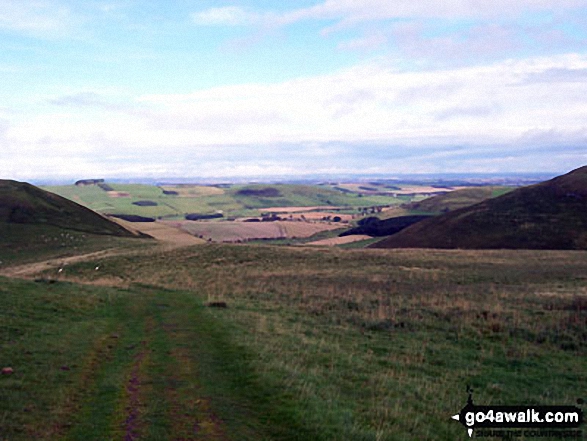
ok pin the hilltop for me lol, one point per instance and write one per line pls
(548, 215)
(23, 203)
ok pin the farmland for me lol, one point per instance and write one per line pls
(302, 210)
(174, 201)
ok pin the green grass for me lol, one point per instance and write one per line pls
(380, 345)
(26, 243)
(103, 363)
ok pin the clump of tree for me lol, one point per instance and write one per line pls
(145, 203)
(133, 218)
(270, 217)
(200, 216)
(267, 192)
(371, 210)
(373, 226)
(83, 182)
(332, 218)
(105, 187)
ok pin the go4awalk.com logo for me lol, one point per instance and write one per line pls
(538, 421)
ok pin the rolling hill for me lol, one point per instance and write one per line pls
(23, 204)
(548, 215)
(454, 200)
(175, 201)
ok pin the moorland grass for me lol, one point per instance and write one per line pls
(97, 363)
(380, 344)
(24, 243)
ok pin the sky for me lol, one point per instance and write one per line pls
(250, 88)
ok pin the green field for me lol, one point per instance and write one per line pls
(232, 203)
(314, 344)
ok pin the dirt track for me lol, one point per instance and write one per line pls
(167, 237)
(29, 269)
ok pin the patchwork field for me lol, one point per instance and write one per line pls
(324, 206)
(175, 201)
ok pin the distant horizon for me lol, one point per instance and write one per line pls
(255, 88)
(471, 178)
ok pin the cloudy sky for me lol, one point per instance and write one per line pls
(213, 88)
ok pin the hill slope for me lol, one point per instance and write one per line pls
(549, 215)
(25, 204)
(457, 199)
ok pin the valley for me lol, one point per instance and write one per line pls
(151, 333)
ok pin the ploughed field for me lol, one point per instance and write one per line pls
(313, 344)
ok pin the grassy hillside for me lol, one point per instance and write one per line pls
(363, 345)
(35, 223)
(457, 199)
(549, 215)
(22, 203)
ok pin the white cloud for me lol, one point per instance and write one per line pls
(351, 12)
(361, 10)
(228, 15)
(316, 122)
(367, 42)
(42, 18)
(476, 29)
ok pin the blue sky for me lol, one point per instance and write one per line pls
(129, 88)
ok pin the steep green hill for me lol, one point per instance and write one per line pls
(549, 215)
(22, 203)
(37, 224)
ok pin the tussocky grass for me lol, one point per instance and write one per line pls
(99, 363)
(381, 344)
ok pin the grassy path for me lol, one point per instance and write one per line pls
(315, 345)
(97, 363)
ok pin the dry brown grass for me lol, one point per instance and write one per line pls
(242, 231)
(167, 233)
